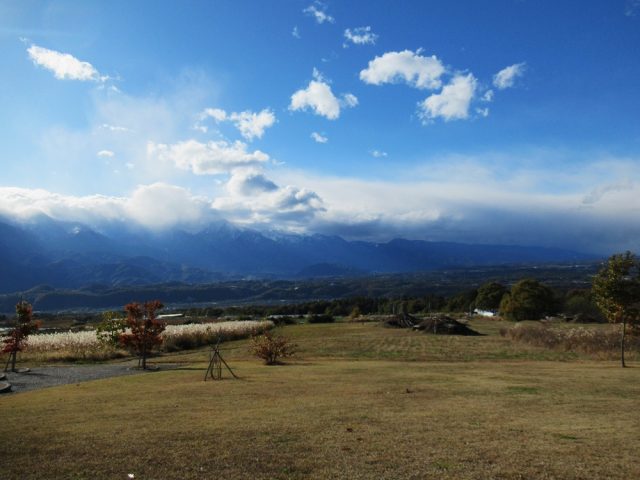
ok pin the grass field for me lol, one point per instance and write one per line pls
(358, 401)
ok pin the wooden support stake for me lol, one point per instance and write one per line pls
(215, 364)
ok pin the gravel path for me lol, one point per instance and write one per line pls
(43, 377)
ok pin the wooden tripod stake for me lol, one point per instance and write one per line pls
(215, 364)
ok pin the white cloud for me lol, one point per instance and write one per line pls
(63, 65)
(106, 154)
(319, 138)
(592, 206)
(378, 154)
(162, 206)
(155, 206)
(361, 36)
(486, 200)
(410, 67)
(217, 114)
(506, 77)
(349, 100)
(249, 183)
(488, 96)
(452, 103)
(318, 10)
(250, 124)
(209, 158)
(319, 98)
(295, 32)
(115, 128)
(257, 201)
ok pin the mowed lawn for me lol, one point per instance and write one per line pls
(358, 401)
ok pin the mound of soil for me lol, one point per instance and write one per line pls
(444, 325)
(402, 320)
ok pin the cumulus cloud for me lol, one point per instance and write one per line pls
(405, 66)
(295, 32)
(318, 138)
(249, 183)
(361, 36)
(105, 154)
(318, 10)
(161, 206)
(211, 158)
(506, 77)
(250, 124)
(452, 103)
(258, 201)
(319, 97)
(153, 206)
(63, 65)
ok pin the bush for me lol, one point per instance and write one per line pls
(320, 319)
(109, 330)
(270, 347)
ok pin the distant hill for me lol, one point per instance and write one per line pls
(71, 255)
(279, 292)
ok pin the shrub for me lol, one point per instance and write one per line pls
(109, 330)
(271, 347)
(321, 319)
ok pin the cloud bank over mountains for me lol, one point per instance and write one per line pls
(460, 200)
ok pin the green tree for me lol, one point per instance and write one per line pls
(616, 289)
(111, 328)
(462, 302)
(528, 300)
(489, 296)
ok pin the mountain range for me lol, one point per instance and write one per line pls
(44, 251)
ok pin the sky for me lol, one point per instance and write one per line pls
(504, 122)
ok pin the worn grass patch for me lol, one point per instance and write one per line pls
(352, 405)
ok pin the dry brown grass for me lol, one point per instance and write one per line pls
(335, 413)
(602, 341)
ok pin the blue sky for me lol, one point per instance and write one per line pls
(507, 121)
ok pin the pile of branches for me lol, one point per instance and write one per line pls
(444, 325)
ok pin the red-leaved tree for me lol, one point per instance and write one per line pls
(145, 329)
(17, 338)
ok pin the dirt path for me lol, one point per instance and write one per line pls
(51, 376)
